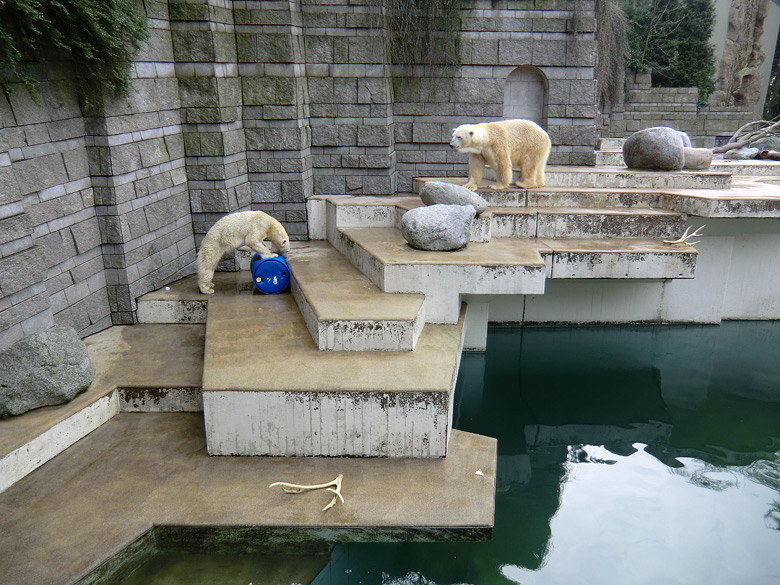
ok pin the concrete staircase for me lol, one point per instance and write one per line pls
(361, 358)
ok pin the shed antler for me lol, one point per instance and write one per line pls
(332, 486)
(684, 239)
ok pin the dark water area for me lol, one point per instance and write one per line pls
(626, 455)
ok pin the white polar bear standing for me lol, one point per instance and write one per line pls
(503, 145)
(246, 230)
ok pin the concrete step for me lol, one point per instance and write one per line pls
(609, 158)
(504, 265)
(268, 390)
(618, 177)
(623, 178)
(547, 196)
(610, 143)
(563, 222)
(181, 302)
(343, 310)
(750, 168)
(140, 476)
(501, 266)
(617, 258)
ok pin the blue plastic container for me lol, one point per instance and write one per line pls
(270, 275)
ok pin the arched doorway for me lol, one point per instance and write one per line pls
(525, 95)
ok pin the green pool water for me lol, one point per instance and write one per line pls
(627, 455)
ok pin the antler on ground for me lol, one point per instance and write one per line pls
(684, 239)
(332, 486)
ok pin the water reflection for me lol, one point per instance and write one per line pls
(637, 521)
(626, 455)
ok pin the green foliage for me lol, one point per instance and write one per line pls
(422, 33)
(671, 38)
(97, 37)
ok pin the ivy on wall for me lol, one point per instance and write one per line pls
(421, 32)
(98, 38)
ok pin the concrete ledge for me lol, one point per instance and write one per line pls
(145, 358)
(268, 390)
(143, 470)
(619, 259)
(344, 311)
(501, 266)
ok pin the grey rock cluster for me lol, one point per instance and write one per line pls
(438, 227)
(664, 149)
(445, 223)
(434, 192)
(43, 369)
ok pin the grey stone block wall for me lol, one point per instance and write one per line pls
(136, 154)
(276, 110)
(205, 55)
(496, 38)
(51, 268)
(646, 107)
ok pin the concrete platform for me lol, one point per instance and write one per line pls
(345, 311)
(579, 222)
(495, 267)
(128, 361)
(150, 472)
(268, 390)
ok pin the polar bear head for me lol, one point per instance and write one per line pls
(280, 241)
(467, 138)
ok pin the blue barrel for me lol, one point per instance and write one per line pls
(270, 275)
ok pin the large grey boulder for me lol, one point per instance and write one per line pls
(434, 192)
(658, 149)
(43, 369)
(438, 227)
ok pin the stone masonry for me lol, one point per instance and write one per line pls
(260, 104)
(646, 107)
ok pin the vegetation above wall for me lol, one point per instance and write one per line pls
(611, 72)
(671, 38)
(97, 37)
(421, 33)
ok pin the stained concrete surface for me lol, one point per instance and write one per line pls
(138, 356)
(140, 470)
(261, 343)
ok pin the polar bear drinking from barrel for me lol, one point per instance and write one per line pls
(243, 230)
(502, 145)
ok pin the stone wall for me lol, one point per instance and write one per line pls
(259, 104)
(646, 106)
(94, 210)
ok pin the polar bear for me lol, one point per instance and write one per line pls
(244, 230)
(502, 145)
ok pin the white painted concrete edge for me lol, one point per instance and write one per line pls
(26, 459)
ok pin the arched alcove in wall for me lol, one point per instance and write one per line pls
(525, 95)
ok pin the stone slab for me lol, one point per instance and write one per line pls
(501, 266)
(140, 471)
(141, 356)
(345, 311)
(618, 258)
(268, 390)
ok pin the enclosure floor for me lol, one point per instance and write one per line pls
(141, 470)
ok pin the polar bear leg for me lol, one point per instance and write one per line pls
(256, 244)
(207, 264)
(476, 170)
(503, 168)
